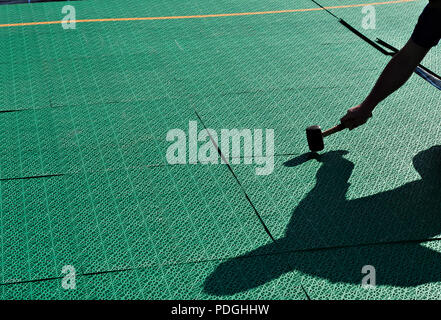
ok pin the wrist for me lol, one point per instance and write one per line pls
(368, 105)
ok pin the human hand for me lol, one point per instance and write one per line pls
(356, 117)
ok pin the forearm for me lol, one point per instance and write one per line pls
(396, 73)
(426, 35)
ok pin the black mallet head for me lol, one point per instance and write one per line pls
(315, 136)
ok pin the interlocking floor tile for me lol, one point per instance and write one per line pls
(124, 219)
(206, 280)
(337, 199)
(96, 104)
(402, 271)
(89, 137)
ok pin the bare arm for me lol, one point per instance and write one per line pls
(396, 73)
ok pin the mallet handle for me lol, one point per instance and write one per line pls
(333, 130)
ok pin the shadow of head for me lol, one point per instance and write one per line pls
(428, 164)
(246, 272)
(411, 211)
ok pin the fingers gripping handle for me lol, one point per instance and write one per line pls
(333, 130)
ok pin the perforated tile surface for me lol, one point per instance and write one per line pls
(85, 179)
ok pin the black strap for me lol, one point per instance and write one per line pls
(374, 44)
(395, 50)
(383, 43)
(366, 39)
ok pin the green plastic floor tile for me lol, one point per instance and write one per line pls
(206, 280)
(124, 219)
(148, 283)
(402, 271)
(29, 146)
(271, 85)
(226, 280)
(120, 135)
(394, 23)
(96, 103)
(89, 137)
(323, 202)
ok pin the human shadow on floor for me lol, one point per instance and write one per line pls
(326, 218)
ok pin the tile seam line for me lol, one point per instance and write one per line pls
(144, 167)
(34, 177)
(246, 196)
(141, 267)
(206, 15)
(235, 177)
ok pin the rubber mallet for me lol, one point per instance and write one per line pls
(315, 136)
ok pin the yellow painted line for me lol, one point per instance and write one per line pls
(205, 15)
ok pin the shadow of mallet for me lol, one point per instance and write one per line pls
(315, 136)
